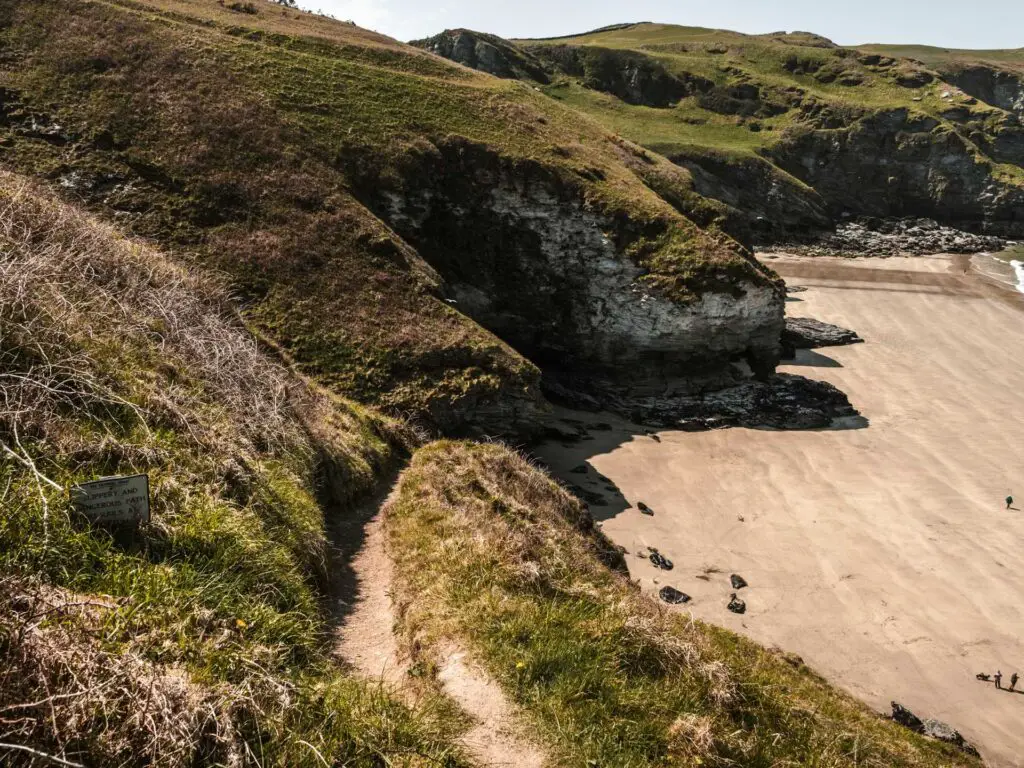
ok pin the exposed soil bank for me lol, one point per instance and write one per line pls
(882, 555)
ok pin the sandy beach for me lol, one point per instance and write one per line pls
(883, 555)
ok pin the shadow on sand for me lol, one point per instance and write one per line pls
(576, 437)
(810, 359)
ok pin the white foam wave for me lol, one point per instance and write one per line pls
(1018, 267)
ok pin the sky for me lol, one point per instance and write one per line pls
(944, 23)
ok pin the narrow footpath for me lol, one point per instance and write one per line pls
(366, 641)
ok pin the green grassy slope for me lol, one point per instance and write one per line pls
(942, 58)
(789, 69)
(788, 131)
(235, 137)
(203, 639)
(492, 554)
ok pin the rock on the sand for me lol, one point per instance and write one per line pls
(935, 729)
(673, 596)
(736, 605)
(807, 333)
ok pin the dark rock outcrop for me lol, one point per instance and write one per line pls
(673, 596)
(522, 252)
(934, 729)
(891, 237)
(487, 53)
(631, 76)
(736, 605)
(999, 88)
(764, 205)
(784, 401)
(658, 560)
(906, 718)
(743, 99)
(896, 163)
(808, 333)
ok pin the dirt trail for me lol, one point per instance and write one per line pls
(496, 740)
(365, 639)
(365, 635)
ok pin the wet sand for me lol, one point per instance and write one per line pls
(884, 556)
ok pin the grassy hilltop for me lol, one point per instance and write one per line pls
(789, 69)
(202, 279)
(948, 59)
(789, 130)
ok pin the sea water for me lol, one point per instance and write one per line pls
(1015, 258)
(1006, 266)
(1018, 267)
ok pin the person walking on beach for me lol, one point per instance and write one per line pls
(999, 679)
(1013, 680)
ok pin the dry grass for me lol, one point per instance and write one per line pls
(492, 553)
(59, 688)
(201, 638)
(69, 283)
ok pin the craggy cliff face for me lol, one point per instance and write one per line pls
(794, 134)
(522, 253)
(1004, 90)
(898, 164)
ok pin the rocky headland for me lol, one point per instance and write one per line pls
(814, 145)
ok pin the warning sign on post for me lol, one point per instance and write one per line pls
(113, 499)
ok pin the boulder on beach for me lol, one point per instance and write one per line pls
(660, 561)
(673, 596)
(935, 729)
(736, 605)
(808, 333)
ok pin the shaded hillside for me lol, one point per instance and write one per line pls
(301, 156)
(843, 131)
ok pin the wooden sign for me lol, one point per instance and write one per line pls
(113, 499)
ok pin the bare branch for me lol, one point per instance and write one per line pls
(43, 755)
